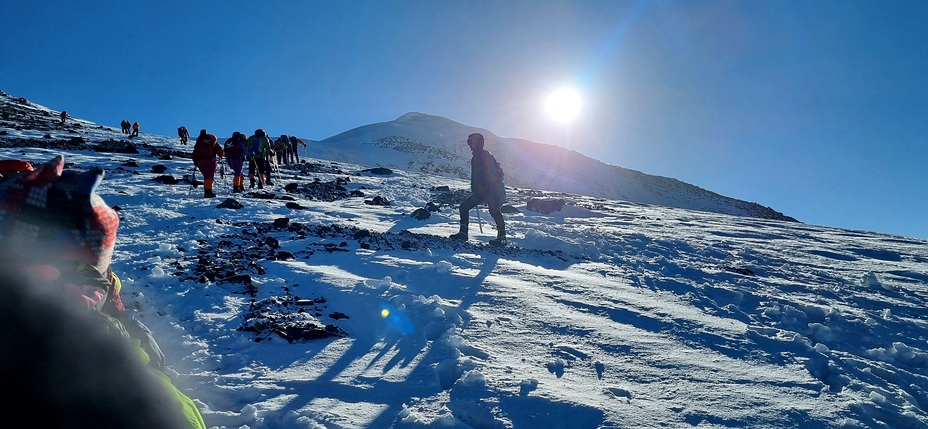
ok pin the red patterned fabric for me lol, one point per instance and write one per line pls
(53, 215)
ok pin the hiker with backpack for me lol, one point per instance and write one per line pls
(235, 156)
(295, 149)
(281, 146)
(205, 152)
(125, 126)
(135, 129)
(86, 358)
(486, 184)
(64, 116)
(259, 158)
(183, 134)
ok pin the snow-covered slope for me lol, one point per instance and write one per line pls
(310, 307)
(435, 145)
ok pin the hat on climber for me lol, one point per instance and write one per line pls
(53, 214)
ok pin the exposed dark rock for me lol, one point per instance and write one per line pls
(112, 146)
(380, 171)
(378, 201)
(421, 214)
(545, 205)
(166, 179)
(272, 242)
(230, 203)
(290, 318)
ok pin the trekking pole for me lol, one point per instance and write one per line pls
(479, 219)
(193, 180)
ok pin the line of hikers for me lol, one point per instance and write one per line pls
(131, 130)
(486, 173)
(258, 151)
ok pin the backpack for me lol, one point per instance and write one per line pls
(203, 149)
(499, 170)
(234, 149)
(496, 169)
(259, 147)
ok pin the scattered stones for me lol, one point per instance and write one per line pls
(291, 318)
(421, 214)
(545, 205)
(230, 203)
(380, 171)
(378, 201)
(166, 179)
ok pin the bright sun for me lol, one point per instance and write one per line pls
(564, 104)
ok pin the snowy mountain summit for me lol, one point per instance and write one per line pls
(335, 299)
(431, 144)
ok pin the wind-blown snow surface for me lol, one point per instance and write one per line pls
(606, 314)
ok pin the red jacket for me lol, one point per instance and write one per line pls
(207, 148)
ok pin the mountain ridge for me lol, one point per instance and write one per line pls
(419, 142)
(439, 148)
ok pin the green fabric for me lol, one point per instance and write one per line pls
(191, 412)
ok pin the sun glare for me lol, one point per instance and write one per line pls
(564, 104)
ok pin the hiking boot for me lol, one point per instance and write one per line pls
(268, 183)
(498, 242)
(459, 236)
(209, 194)
(260, 185)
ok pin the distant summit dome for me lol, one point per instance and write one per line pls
(412, 116)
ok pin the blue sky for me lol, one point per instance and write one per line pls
(817, 109)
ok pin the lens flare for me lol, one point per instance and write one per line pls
(564, 104)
